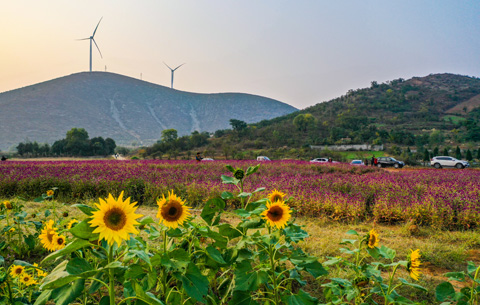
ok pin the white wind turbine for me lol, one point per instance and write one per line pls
(91, 38)
(173, 70)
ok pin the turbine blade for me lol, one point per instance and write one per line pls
(83, 38)
(178, 66)
(168, 66)
(96, 27)
(97, 48)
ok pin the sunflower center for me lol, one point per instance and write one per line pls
(373, 240)
(18, 271)
(115, 219)
(60, 241)
(275, 213)
(172, 210)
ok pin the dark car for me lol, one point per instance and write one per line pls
(389, 161)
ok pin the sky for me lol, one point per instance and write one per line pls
(299, 52)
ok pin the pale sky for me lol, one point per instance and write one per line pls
(298, 52)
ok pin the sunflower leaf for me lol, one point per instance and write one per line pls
(86, 209)
(252, 169)
(194, 282)
(84, 231)
(69, 248)
(212, 207)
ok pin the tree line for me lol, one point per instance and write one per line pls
(76, 144)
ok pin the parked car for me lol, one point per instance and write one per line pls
(207, 159)
(319, 160)
(357, 162)
(446, 161)
(263, 158)
(389, 161)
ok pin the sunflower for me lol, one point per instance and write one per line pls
(27, 279)
(40, 272)
(413, 265)
(71, 224)
(47, 236)
(276, 196)
(372, 239)
(16, 270)
(8, 205)
(172, 210)
(115, 219)
(50, 193)
(277, 214)
(59, 241)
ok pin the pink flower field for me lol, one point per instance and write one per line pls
(442, 198)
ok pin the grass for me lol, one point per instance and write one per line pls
(362, 155)
(442, 251)
(454, 119)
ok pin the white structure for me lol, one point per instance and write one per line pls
(173, 70)
(91, 38)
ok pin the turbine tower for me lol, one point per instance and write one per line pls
(173, 70)
(91, 38)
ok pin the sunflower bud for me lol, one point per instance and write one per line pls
(239, 174)
(8, 205)
(65, 214)
(141, 227)
(34, 215)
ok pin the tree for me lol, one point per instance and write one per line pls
(77, 142)
(445, 151)
(97, 146)
(303, 121)
(435, 151)
(458, 153)
(110, 146)
(169, 135)
(238, 125)
(469, 156)
(478, 153)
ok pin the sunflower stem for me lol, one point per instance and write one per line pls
(164, 269)
(390, 282)
(111, 283)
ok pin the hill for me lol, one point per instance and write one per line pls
(439, 109)
(125, 109)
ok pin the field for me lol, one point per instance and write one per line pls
(231, 250)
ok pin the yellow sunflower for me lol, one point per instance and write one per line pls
(40, 272)
(8, 205)
(59, 242)
(172, 210)
(16, 270)
(71, 224)
(277, 214)
(372, 239)
(50, 193)
(276, 196)
(413, 265)
(47, 236)
(115, 219)
(27, 279)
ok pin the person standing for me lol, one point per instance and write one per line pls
(372, 162)
(198, 157)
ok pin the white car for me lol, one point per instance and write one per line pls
(207, 159)
(263, 158)
(446, 161)
(357, 162)
(319, 160)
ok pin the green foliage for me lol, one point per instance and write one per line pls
(169, 135)
(469, 295)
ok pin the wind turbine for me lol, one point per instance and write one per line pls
(173, 70)
(91, 38)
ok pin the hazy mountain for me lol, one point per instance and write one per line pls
(123, 108)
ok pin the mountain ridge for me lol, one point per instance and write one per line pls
(129, 110)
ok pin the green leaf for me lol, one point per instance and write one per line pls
(412, 285)
(248, 279)
(295, 233)
(230, 168)
(252, 169)
(214, 254)
(242, 298)
(456, 276)
(147, 298)
(134, 271)
(43, 297)
(316, 269)
(244, 195)
(226, 195)
(348, 241)
(302, 298)
(38, 199)
(387, 252)
(22, 263)
(227, 230)
(352, 232)
(373, 252)
(69, 248)
(212, 207)
(58, 277)
(229, 180)
(83, 230)
(67, 294)
(78, 266)
(444, 291)
(471, 268)
(177, 260)
(194, 283)
(147, 220)
(142, 255)
(260, 189)
(86, 209)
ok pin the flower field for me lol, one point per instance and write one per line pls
(443, 198)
